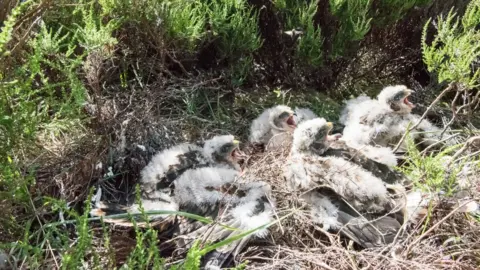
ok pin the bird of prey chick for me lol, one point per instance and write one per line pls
(202, 181)
(236, 206)
(384, 120)
(347, 191)
(273, 127)
(350, 105)
(303, 114)
(156, 182)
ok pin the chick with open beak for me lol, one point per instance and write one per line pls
(224, 151)
(284, 121)
(313, 137)
(237, 156)
(382, 122)
(346, 191)
(273, 127)
(396, 97)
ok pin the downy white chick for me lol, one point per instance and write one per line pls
(157, 177)
(216, 193)
(273, 127)
(350, 106)
(384, 120)
(309, 166)
(346, 189)
(303, 114)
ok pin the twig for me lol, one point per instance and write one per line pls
(126, 215)
(23, 38)
(137, 77)
(312, 261)
(474, 154)
(327, 234)
(322, 265)
(202, 83)
(446, 90)
(53, 254)
(32, 13)
(437, 143)
(436, 225)
(463, 149)
(276, 214)
(455, 111)
(178, 63)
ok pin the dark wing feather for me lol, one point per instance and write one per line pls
(368, 230)
(382, 171)
(188, 160)
(369, 234)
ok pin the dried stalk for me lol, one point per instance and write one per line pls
(463, 149)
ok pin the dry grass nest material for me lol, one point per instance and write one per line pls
(146, 122)
(446, 239)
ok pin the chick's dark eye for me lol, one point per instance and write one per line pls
(225, 148)
(284, 115)
(398, 97)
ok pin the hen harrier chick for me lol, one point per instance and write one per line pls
(216, 193)
(304, 114)
(310, 166)
(383, 121)
(346, 189)
(156, 182)
(273, 127)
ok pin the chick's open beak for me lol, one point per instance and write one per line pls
(291, 121)
(236, 152)
(408, 92)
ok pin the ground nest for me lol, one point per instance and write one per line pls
(448, 239)
(146, 122)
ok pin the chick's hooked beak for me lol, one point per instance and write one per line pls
(334, 137)
(291, 121)
(329, 125)
(236, 152)
(408, 92)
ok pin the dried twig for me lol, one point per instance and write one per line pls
(437, 143)
(463, 149)
(418, 239)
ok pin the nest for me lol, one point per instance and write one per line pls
(147, 122)
(446, 239)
